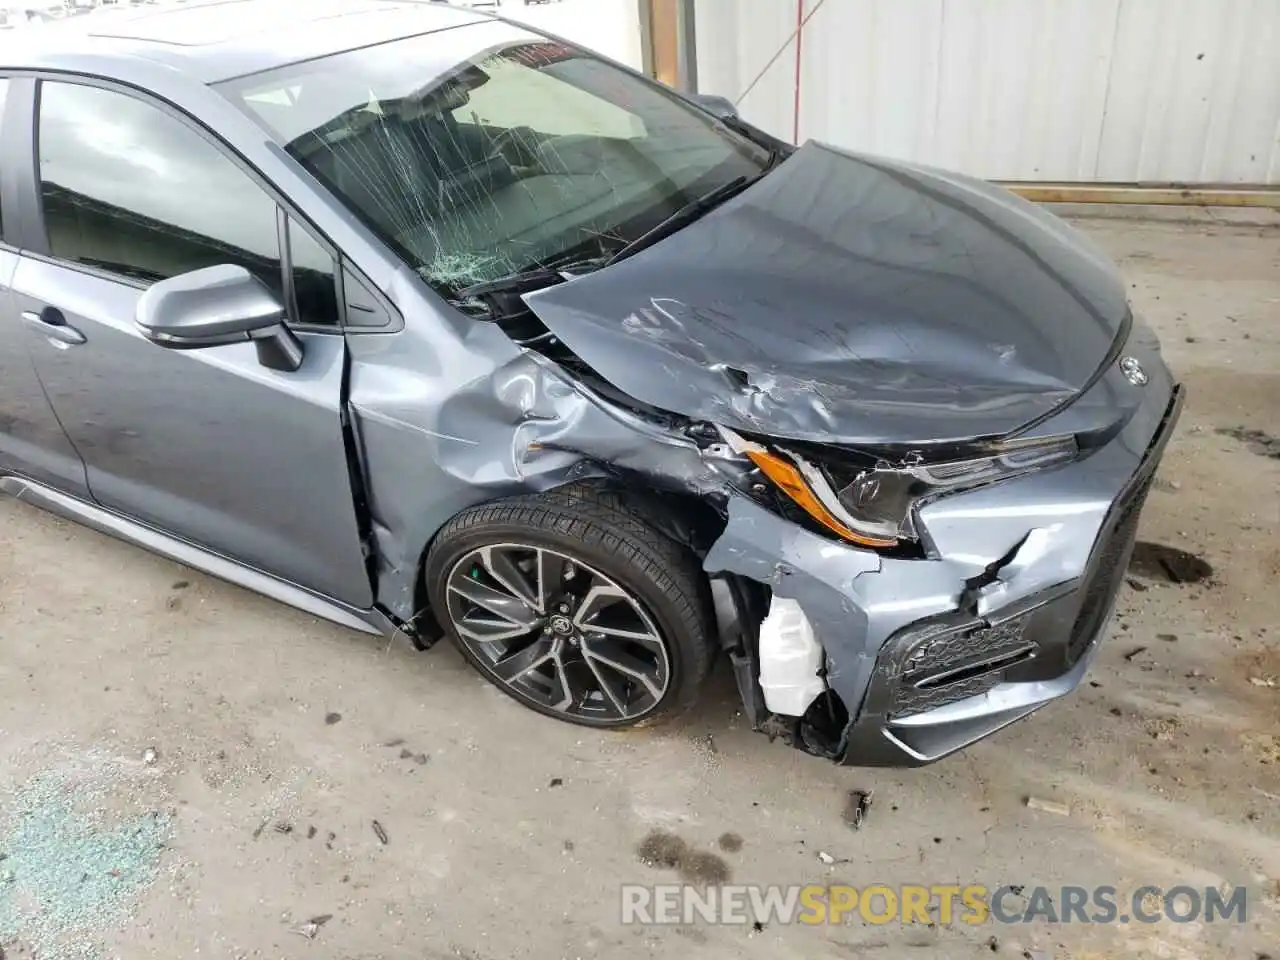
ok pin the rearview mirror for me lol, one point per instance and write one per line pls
(217, 306)
(721, 107)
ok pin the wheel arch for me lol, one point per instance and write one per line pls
(691, 521)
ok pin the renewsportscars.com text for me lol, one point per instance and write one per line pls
(934, 903)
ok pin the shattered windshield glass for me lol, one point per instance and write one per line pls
(527, 152)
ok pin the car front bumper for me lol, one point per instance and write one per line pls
(939, 686)
(927, 656)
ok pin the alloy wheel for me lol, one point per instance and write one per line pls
(558, 633)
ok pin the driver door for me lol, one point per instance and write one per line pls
(207, 445)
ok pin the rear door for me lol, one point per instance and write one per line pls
(32, 442)
(207, 445)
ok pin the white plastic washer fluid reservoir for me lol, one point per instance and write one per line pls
(790, 658)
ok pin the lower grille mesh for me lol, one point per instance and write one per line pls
(957, 664)
(911, 700)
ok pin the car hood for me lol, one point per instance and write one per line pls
(851, 299)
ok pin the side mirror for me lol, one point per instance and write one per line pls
(721, 107)
(217, 306)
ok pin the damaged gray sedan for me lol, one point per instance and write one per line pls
(424, 322)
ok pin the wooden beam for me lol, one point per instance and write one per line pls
(1172, 195)
(664, 41)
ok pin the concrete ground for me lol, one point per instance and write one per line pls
(279, 740)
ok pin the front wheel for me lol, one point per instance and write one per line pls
(575, 605)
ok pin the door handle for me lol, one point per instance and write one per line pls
(53, 325)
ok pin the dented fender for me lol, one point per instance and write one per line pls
(432, 446)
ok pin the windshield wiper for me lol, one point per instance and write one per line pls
(777, 148)
(535, 278)
(690, 212)
(554, 271)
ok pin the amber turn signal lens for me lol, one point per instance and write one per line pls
(788, 478)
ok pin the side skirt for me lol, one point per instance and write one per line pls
(113, 524)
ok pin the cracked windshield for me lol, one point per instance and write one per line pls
(525, 154)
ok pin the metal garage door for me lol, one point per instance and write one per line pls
(1132, 91)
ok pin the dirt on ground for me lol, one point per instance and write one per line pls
(187, 768)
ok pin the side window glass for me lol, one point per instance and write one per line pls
(314, 285)
(127, 188)
(4, 89)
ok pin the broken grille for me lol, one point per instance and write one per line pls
(952, 666)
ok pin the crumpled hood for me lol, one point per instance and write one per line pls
(856, 300)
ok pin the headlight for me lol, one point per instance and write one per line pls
(872, 503)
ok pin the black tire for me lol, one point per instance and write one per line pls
(595, 528)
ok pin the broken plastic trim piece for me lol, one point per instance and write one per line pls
(739, 608)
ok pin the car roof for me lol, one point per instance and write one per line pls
(214, 40)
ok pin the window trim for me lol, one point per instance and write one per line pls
(17, 172)
(284, 220)
(34, 238)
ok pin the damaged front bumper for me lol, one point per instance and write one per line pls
(926, 656)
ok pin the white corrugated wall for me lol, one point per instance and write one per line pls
(1124, 91)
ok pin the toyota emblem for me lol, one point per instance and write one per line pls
(1133, 371)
